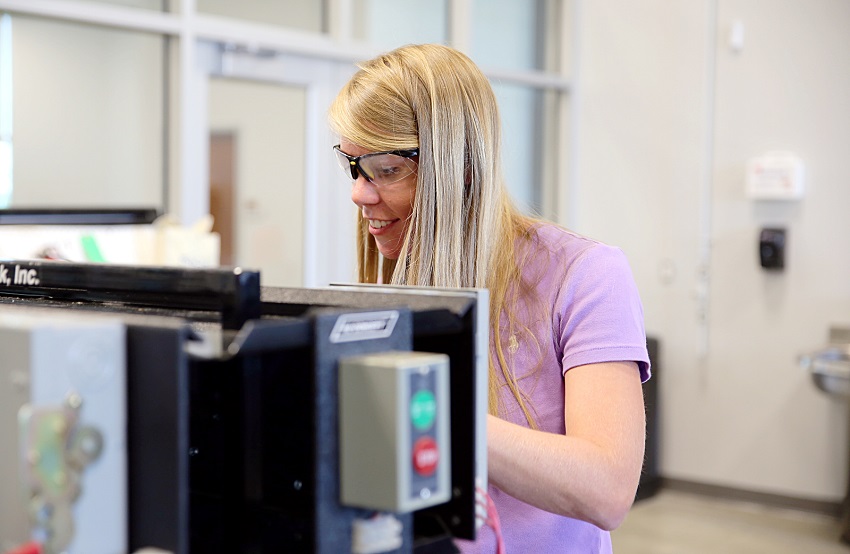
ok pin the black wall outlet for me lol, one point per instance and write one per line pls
(772, 248)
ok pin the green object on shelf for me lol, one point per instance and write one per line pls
(91, 250)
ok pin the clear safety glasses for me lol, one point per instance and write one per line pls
(379, 168)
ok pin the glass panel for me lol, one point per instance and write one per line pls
(307, 15)
(522, 137)
(158, 5)
(389, 24)
(87, 109)
(263, 126)
(554, 153)
(507, 34)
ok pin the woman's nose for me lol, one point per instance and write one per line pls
(364, 193)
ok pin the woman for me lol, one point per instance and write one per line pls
(419, 135)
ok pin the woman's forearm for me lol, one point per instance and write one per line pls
(592, 472)
(565, 475)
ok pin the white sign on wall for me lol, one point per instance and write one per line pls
(776, 176)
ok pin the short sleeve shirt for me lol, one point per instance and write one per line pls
(584, 309)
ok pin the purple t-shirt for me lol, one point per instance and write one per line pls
(587, 311)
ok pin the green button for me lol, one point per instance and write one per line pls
(423, 409)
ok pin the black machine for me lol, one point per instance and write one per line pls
(232, 410)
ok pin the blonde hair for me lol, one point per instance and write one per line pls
(464, 229)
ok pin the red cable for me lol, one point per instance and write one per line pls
(492, 519)
(494, 522)
(26, 548)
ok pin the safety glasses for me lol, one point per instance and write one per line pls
(379, 168)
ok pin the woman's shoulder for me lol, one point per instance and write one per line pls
(568, 247)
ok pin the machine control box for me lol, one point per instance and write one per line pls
(394, 431)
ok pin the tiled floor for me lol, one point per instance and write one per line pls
(674, 522)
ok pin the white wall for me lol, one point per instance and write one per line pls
(87, 116)
(668, 122)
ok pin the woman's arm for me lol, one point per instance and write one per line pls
(592, 472)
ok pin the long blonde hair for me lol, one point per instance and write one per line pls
(464, 229)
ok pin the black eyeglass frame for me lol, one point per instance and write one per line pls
(354, 161)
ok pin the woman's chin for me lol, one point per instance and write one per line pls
(389, 252)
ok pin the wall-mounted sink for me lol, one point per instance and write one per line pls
(830, 366)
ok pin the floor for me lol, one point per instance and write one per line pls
(674, 522)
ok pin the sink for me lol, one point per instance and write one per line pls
(830, 370)
(830, 366)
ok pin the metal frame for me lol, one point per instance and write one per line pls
(233, 293)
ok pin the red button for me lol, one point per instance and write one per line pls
(425, 456)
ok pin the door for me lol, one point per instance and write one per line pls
(266, 124)
(291, 214)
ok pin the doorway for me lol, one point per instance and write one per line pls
(222, 187)
(257, 176)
